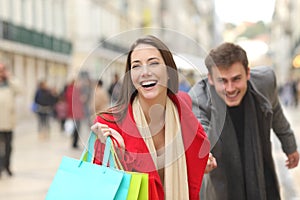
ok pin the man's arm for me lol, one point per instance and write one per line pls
(201, 103)
(201, 109)
(281, 126)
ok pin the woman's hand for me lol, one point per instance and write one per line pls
(211, 163)
(102, 131)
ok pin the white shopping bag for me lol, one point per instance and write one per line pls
(69, 126)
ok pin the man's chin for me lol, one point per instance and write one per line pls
(233, 103)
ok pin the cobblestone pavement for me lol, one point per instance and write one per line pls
(35, 160)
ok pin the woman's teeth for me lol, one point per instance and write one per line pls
(148, 83)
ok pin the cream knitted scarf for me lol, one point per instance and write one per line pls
(173, 159)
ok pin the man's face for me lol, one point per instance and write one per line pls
(230, 83)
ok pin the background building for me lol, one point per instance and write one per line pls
(285, 33)
(34, 42)
(58, 39)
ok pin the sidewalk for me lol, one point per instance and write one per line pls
(34, 161)
(289, 180)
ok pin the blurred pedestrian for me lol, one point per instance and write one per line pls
(184, 85)
(298, 90)
(238, 107)
(74, 101)
(115, 89)
(45, 100)
(100, 100)
(9, 88)
(61, 108)
(86, 90)
(287, 93)
(295, 92)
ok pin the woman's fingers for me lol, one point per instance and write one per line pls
(103, 131)
(118, 137)
(97, 127)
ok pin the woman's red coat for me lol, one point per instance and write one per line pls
(137, 157)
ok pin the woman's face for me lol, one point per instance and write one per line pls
(149, 72)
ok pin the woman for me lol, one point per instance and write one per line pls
(155, 125)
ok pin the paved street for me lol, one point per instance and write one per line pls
(289, 179)
(35, 161)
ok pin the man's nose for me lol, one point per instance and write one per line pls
(229, 87)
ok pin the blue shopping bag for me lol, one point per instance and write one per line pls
(81, 179)
(134, 184)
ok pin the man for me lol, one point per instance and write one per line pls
(238, 107)
(8, 90)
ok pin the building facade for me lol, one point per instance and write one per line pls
(285, 40)
(33, 42)
(56, 40)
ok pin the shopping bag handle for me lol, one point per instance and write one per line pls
(87, 154)
(108, 156)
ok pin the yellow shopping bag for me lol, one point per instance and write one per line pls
(138, 188)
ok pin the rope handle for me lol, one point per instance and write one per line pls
(118, 164)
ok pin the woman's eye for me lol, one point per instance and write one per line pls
(154, 64)
(135, 66)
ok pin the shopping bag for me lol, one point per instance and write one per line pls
(34, 107)
(69, 126)
(80, 179)
(138, 186)
(138, 189)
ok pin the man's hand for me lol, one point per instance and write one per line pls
(211, 163)
(293, 160)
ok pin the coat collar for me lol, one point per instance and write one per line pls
(263, 102)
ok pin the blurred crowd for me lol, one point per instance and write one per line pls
(80, 99)
(289, 93)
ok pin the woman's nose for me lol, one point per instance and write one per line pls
(145, 70)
